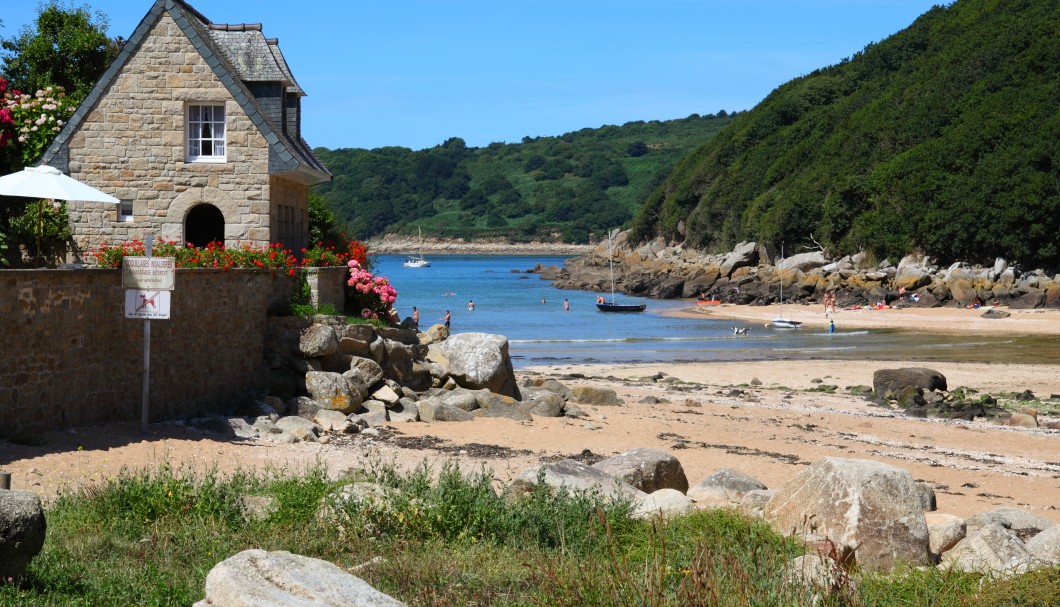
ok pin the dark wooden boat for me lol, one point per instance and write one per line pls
(613, 307)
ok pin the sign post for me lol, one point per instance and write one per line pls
(148, 281)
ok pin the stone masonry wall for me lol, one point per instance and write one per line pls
(69, 357)
(132, 146)
(290, 206)
(327, 286)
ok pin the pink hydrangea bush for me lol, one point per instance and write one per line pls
(29, 123)
(373, 295)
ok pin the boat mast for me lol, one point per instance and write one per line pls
(781, 273)
(611, 260)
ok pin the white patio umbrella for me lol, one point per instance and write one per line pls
(49, 182)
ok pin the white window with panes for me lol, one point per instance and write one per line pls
(206, 133)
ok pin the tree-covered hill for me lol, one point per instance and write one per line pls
(545, 188)
(943, 137)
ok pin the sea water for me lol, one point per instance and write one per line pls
(510, 301)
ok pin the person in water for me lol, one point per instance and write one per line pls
(566, 306)
(831, 326)
(470, 305)
(447, 319)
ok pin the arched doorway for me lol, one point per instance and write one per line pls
(204, 224)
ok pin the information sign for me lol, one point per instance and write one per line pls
(149, 273)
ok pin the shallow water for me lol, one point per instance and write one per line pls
(508, 301)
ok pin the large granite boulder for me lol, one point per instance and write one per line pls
(1033, 298)
(1045, 546)
(664, 502)
(725, 486)
(282, 579)
(992, 549)
(891, 381)
(869, 509)
(436, 410)
(594, 395)
(318, 340)
(745, 254)
(575, 477)
(370, 370)
(332, 391)
(803, 262)
(543, 403)
(477, 361)
(22, 528)
(1025, 523)
(646, 469)
(944, 531)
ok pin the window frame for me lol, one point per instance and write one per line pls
(122, 216)
(195, 124)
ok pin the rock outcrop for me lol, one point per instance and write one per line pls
(745, 276)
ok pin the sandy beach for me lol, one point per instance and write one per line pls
(708, 415)
(931, 320)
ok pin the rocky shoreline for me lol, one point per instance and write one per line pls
(393, 244)
(749, 275)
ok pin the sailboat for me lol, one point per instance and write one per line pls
(417, 262)
(781, 322)
(612, 306)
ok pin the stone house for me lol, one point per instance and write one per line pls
(196, 128)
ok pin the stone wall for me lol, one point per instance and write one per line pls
(131, 145)
(69, 357)
(327, 286)
(290, 207)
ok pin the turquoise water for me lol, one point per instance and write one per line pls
(508, 302)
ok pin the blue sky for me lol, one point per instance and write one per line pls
(414, 73)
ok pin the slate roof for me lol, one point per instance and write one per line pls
(254, 57)
(236, 54)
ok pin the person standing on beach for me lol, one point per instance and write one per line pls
(447, 318)
(415, 316)
(566, 306)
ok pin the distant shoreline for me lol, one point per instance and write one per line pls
(390, 245)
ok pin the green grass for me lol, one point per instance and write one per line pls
(375, 322)
(446, 537)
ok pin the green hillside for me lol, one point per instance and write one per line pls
(943, 137)
(545, 188)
